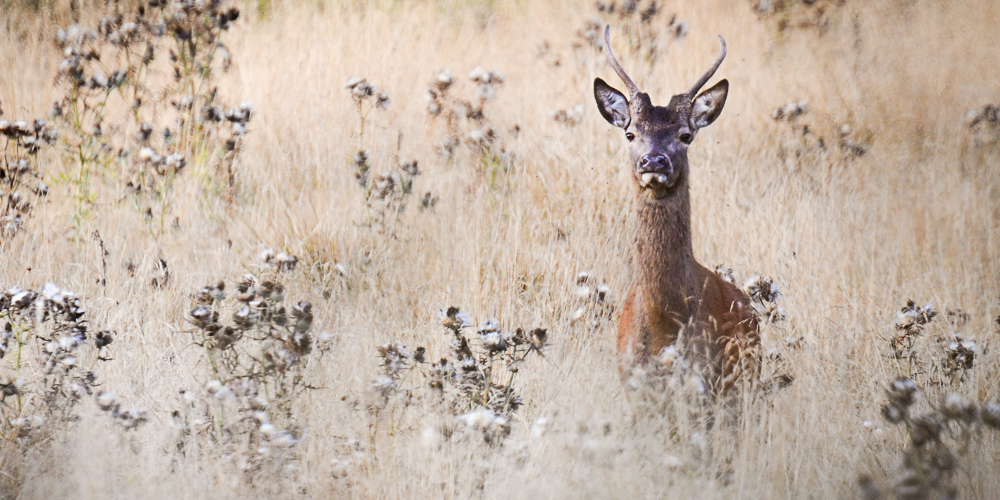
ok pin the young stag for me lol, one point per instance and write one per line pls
(674, 300)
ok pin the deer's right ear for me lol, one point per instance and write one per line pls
(612, 104)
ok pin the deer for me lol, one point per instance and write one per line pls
(673, 300)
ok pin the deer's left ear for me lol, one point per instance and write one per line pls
(708, 105)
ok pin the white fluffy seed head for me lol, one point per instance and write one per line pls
(146, 154)
(444, 78)
(479, 418)
(213, 386)
(353, 81)
(105, 400)
(540, 427)
(431, 438)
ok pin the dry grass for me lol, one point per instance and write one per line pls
(849, 240)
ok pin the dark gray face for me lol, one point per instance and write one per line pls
(658, 136)
(658, 141)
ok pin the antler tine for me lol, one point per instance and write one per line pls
(711, 71)
(632, 87)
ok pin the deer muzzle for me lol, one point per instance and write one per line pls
(656, 171)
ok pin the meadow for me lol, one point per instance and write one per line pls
(350, 171)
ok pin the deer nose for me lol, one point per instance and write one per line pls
(653, 161)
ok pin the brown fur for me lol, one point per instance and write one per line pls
(673, 298)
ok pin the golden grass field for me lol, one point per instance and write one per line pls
(848, 238)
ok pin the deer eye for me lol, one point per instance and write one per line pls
(630, 136)
(686, 138)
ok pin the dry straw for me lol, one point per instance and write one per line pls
(188, 145)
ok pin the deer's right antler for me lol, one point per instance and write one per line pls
(632, 87)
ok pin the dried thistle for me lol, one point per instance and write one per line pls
(928, 463)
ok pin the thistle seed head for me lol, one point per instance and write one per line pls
(242, 318)
(360, 88)
(176, 162)
(201, 316)
(961, 354)
(99, 81)
(913, 317)
(483, 76)
(925, 428)
(443, 80)
(286, 262)
(360, 158)
(102, 339)
(145, 131)
(762, 289)
(106, 401)
(132, 418)
(384, 385)
(539, 337)
(990, 414)
(486, 92)
(20, 127)
(454, 319)
(902, 393)
(955, 407)
(725, 273)
(480, 418)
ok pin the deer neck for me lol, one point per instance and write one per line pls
(664, 257)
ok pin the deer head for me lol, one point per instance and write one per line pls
(659, 136)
